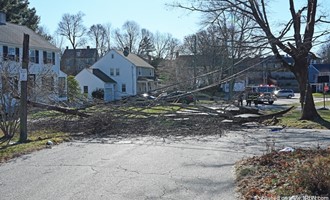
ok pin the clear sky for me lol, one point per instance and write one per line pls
(153, 15)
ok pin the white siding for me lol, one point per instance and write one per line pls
(87, 78)
(127, 72)
(40, 68)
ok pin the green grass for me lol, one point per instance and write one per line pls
(320, 95)
(44, 114)
(327, 103)
(36, 141)
(291, 119)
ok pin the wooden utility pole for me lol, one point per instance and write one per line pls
(23, 79)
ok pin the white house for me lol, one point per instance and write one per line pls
(132, 75)
(46, 82)
(94, 79)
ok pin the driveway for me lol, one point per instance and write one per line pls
(194, 167)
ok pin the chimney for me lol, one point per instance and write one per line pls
(2, 18)
(67, 47)
(87, 47)
(126, 51)
(177, 54)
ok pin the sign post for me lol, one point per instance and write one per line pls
(325, 89)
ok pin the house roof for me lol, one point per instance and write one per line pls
(136, 60)
(98, 73)
(13, 34)
(322, 67)
(82, 53)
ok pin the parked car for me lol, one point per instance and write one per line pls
(178, 97)
(287, 93)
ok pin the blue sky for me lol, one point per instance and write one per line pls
(153, 15)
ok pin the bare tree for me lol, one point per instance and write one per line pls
(173, 47)
(73, 29)
(128, 37)
(325, 52)
(146, 44)
(106, 42)
(163, 43)
(296, 37)
(9, 106)
(98, 34)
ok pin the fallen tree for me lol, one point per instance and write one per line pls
(58, 108)
(257, 117)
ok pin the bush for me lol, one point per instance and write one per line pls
(98, 94)
(314, 176)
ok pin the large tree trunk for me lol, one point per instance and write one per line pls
(309, 111)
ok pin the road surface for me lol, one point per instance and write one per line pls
(177, 167)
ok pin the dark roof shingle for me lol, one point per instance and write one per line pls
(98, 73)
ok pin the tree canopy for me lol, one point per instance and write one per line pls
(18, 12)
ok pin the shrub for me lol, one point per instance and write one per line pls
(314, 176)
(98, 94)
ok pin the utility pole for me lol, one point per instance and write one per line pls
(23, 79)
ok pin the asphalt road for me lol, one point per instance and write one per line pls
(195, 167)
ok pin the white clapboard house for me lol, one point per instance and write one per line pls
(119, 74)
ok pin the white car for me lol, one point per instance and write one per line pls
(287, 93)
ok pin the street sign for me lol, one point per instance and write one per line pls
(23, 75)
(326, 88)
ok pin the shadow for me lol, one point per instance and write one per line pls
(322, 122)
(209, 165)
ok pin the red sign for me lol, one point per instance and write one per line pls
(326, 88)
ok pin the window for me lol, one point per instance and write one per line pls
(11, 53)
(117, 71)
(123, 87)
(49, 57)
(34, 56)
(4, 52)
(85, 89)
(48, 83)
(31, 80)
(112, 56)
(112, 72)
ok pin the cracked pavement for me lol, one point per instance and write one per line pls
(175, 167)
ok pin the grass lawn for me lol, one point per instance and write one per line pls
(36, 141)
(291, 120)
